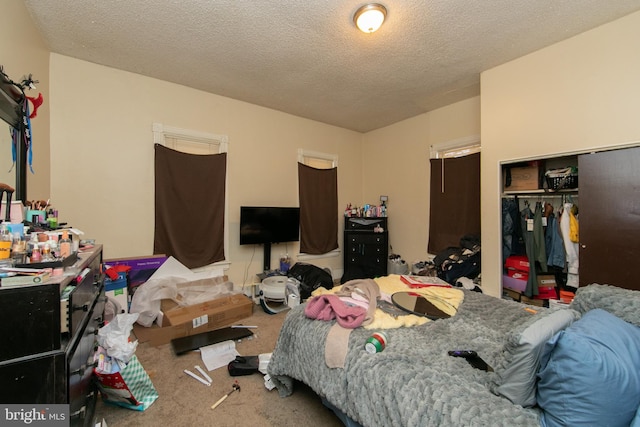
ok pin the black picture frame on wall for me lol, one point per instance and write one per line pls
(11, 101)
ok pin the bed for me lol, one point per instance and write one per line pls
(548, 364)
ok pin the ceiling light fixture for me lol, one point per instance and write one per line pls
(370, 17)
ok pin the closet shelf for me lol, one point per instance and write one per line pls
(540, 191)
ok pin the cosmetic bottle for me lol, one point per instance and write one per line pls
(36, 256)
(47, 256)
(64, 245)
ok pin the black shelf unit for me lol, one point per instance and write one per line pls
(366, 248)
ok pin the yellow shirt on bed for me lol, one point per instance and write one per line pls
(391, 284)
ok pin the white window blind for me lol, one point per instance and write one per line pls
(456, 148)
(317, 160)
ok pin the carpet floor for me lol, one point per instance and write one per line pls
(183, 401)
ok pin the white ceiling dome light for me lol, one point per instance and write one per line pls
(370, 17)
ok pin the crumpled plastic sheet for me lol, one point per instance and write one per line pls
(114, 337)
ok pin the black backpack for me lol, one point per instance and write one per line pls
(310, 277)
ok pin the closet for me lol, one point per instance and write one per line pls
(604, 196)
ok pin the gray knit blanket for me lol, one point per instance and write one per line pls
(413, 382)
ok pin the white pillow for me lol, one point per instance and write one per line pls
(516, 379)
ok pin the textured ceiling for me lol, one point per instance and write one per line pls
(307, 58)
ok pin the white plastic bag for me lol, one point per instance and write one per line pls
(114, 337)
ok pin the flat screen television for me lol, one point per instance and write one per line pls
(269, 224)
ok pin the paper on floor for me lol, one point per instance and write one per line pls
(218, 355)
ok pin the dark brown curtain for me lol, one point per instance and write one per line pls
(455, 201)
(318, 193)
(189, 206)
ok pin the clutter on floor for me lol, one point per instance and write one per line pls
(235, 387)
(121, 378)
(192, 342)
(177, 302)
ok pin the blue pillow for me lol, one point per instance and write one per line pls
(636, 420)
(590, 373)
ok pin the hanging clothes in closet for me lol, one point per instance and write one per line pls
(570, 238)
(538, 237)
(512, 243)
(533, 234)
(549, 249)
(554, 244)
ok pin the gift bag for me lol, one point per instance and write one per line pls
(130, 388)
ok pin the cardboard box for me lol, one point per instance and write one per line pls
(520, 275)
(117, 290)
(558, 304)
(204, 317)
(513, 283)
(532, 301)
(141, 268)
(514, 295)
(515, 288)
(546, 281)
(524, 177)
(546, 286)
(517, 262)
(566, 296)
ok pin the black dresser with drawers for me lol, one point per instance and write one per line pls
(48, 337)
(366, 243)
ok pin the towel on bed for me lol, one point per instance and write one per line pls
(329, 306)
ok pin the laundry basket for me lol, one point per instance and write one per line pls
(561, 179)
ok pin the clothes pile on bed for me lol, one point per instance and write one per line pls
(385, 316)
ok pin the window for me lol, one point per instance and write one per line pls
(317, 160)
(189, 141)
(318, 195)
(454, 193)
(456, 148)
(186, 159)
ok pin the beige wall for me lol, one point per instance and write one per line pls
(104, 136)
(22, 52)
(577, 95)
(396, 164)
(101, 166)
(102, 156)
